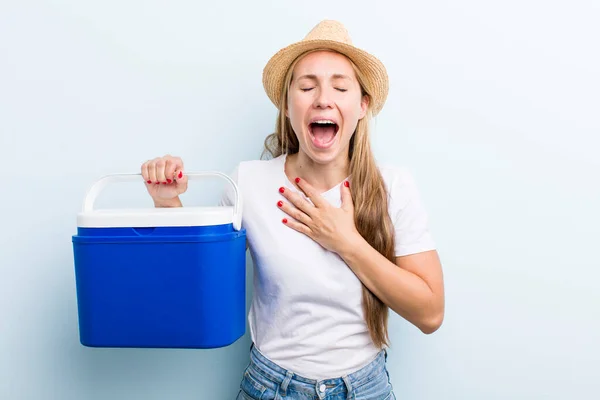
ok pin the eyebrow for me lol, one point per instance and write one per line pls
(333, 77)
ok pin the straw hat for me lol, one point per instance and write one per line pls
(327, 35)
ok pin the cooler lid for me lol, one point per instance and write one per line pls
(157, 217)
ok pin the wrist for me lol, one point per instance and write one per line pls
(167, 203)
(352, 246)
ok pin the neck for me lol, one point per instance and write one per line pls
(321, 176)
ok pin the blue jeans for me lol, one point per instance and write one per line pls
(265, 380)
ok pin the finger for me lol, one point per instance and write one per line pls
(172, 165)
(297, 226)
(179, 175)
(347, 203)
(294, 213)
(152, 171)
(145, 174)
(298, 201)
(311, 193)
(180, 178)
(160, 171)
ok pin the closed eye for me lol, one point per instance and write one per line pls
(338, 89)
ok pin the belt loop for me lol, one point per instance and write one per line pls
(286, 382)
(349, 389)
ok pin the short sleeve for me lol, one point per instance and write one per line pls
(408, 214)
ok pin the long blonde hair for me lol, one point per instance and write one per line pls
(368, 193)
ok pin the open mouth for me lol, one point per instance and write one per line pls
(323, 132)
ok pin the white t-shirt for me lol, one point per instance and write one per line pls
(306, 314)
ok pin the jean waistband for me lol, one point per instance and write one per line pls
(278, 374)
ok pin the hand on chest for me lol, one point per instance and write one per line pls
(263, 222)
(275, 246)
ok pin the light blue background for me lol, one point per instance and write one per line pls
(494, 106)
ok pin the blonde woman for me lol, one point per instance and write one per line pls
(336, 239)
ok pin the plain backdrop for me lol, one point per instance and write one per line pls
(493, 106)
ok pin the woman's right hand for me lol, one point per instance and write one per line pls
(164, 178)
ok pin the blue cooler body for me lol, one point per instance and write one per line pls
(174, 278)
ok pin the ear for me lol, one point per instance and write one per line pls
(364, 106)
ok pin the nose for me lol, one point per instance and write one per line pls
(323, 99)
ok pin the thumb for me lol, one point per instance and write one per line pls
(181, 179)
(347, 203)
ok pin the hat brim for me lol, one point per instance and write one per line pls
(377, 84)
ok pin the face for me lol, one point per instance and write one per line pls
(325, 104)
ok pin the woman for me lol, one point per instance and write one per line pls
(336, 239)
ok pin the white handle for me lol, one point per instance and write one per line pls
(94, 191)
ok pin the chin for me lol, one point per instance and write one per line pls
(323, 156)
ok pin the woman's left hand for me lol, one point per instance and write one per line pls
(331, 227)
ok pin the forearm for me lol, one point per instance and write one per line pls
(404, 292)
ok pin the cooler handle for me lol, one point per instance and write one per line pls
(97, 187)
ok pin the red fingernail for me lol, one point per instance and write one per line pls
(284, 220)
(281, 190)
(164, 183)
(169, 181)
(280, 203)
(148, 181)
(158, 183)
(347, 184)
(297, 180)
(180, 174)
